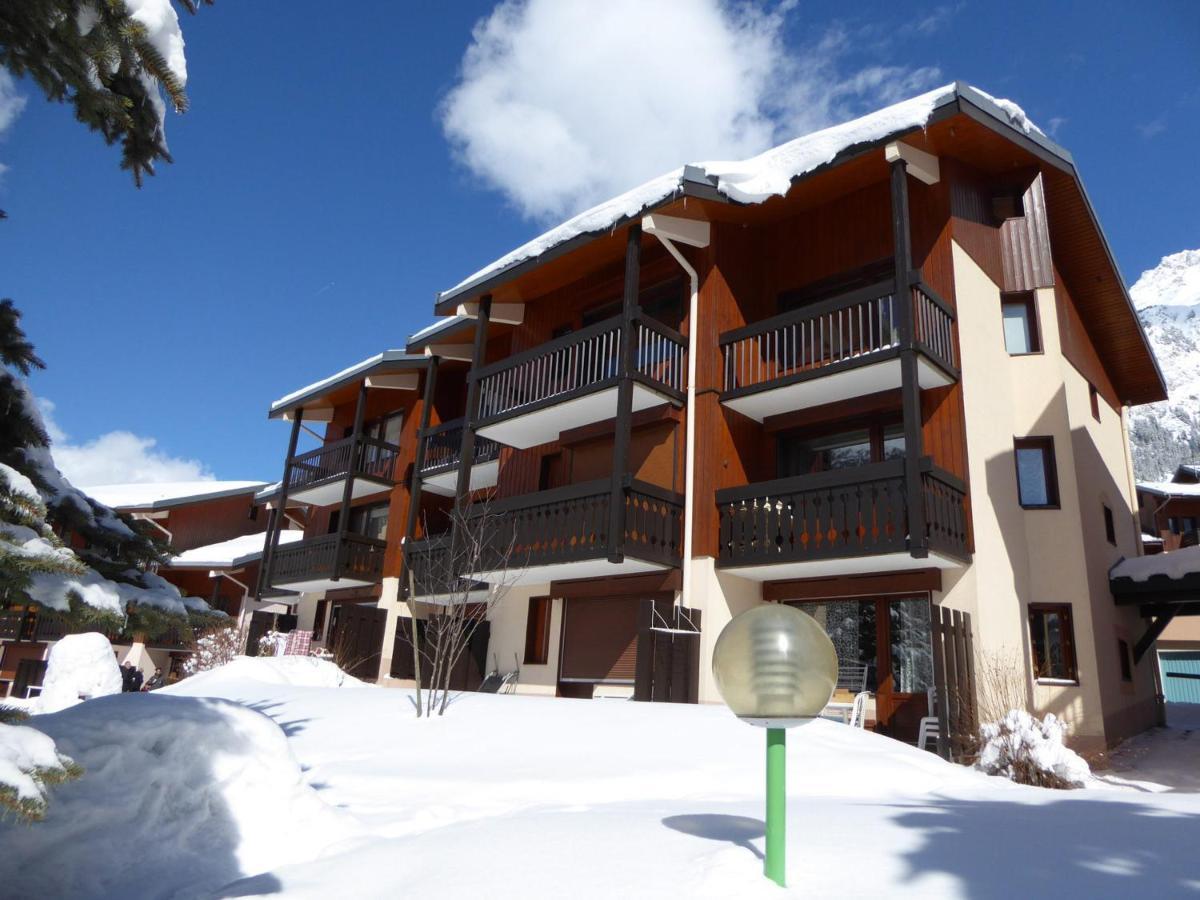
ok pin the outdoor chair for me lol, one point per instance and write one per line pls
(929, 727)
(858, 713)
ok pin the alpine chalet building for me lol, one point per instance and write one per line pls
(880, 372)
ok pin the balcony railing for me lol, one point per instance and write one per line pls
(850, 512)
(853, 329)
(571, 524)
(430, 563)
(12, 624)
(356, 456)
(580, 363)
(443, 445)
(360, 559)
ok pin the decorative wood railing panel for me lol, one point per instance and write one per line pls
(360, 456)
(572, 523)
(579, 363)
(844, 513)
(431, 564)
(361, 559)
(443, 445)
(852, 329)
(933, 326)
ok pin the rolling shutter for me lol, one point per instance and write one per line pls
(599, 639)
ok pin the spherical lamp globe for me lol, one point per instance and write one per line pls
(775, 666)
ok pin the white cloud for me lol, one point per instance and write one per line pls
(563, 103)
(116, 457)
(11, 104)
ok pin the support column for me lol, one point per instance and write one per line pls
(279, 517)
(348, 489)
(623, 426)
(414, 488)
(910, 386)
(775, 858)
(466, 451)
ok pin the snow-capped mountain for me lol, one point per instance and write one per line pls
(1166, 434)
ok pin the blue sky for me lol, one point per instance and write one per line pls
(335, 171)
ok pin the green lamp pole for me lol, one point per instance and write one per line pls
(776, 668)
(775, 862)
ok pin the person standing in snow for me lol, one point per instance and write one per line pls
(155, 681)
(126, 677)
(135, 679)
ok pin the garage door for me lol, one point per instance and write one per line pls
(1180, 675)
(599, 640)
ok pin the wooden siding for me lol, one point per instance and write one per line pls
(1077, 345)
(1025, 243)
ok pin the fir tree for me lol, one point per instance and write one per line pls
(37, 504)
(95, 55)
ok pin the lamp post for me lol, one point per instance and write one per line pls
(775, 668)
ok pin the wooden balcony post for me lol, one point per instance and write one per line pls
(348, 489)
(414, 488)
(622, 429)
(910, 386)
(466, 452)
(279, 517)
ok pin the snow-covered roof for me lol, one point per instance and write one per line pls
(436, 328)
(1174, 565)
(1148, 538)
(388, 358)
(167, 494)
(228, 554)
(1169, 488)
(761, 177)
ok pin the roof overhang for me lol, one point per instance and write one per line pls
(167, 503)
(1138, 380)
(316, 399)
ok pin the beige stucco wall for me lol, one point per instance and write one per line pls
(507, 644)
(719, 597)
(1049, 556)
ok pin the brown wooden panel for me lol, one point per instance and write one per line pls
(1077, 345)
(599, 639)
(870, 585)
(648, 585)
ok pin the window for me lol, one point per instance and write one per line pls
(1053, 642)
(385, 428)
(537, 631)
(1110, 527)
(1126, 661)
(253, 514)
(369, 521)
(1020, 324)
(1095, 398)
(1037, 478)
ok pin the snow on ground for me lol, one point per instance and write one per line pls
(290, 671)
(1162, 759)
(514, 796)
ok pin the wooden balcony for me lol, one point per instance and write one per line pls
(321, 564)
(443, 444)
(833, 350)
(433, 578)
(564, 534)
(843, 522)
(318, 477)
(532, 397)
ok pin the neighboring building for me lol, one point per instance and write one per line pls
(1169, 511)
(880, 372)
(214, 527)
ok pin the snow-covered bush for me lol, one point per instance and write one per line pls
(81, 666)
(1029, 750)
(273, 643)
(29, 763)
(216, 647)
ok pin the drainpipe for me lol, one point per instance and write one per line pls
(694, 233)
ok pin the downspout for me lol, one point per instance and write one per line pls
(695, 233)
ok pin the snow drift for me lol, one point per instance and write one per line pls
(180, 796)
(81, 666)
